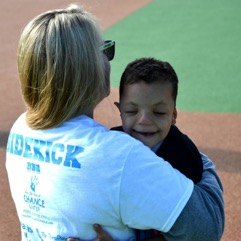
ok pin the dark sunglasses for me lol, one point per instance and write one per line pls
(108, 48)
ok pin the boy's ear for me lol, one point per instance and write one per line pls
(174, 116)
(117, 104)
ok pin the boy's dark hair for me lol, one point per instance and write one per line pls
(149, 70)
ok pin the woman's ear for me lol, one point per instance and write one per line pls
(174, 116)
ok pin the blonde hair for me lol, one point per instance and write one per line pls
(60, 66)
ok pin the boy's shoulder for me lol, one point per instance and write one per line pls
(178, 141)
(180, 151)
(177, 136)
(117, 128)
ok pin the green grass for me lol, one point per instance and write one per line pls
(202, 41)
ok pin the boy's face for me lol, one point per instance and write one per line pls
(148, 111)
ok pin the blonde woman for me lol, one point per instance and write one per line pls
(66, 171)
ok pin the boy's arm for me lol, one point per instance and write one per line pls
(208, 224)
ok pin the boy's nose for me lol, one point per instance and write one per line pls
(145, 118)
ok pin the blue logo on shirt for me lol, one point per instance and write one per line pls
(34, 183)
(44, 151)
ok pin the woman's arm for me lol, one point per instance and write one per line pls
(104, 236)
(203, 216)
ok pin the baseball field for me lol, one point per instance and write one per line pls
(201, 39)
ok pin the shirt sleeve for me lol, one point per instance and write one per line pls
(203, 217)
(152, 193)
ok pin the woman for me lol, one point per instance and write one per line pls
(66, 171)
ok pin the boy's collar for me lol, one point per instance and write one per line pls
(154, 149)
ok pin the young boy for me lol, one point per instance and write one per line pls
(148, 93)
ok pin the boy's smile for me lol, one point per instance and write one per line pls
(148, 111)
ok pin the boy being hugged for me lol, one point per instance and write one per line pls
(148, 93)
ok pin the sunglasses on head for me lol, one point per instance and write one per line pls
(108, 48)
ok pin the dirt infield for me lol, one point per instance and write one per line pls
(217, 135)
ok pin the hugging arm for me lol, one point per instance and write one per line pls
(101, 235)
(203, 216)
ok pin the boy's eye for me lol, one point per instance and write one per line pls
(130, 111)
(159, 113)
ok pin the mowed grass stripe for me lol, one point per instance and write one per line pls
(201, 39)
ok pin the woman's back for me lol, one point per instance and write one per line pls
(79, 174)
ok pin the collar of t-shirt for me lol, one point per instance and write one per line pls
(154, 149)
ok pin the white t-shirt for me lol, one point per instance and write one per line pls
(65, 179)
